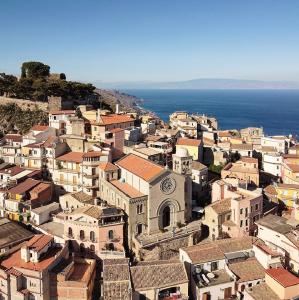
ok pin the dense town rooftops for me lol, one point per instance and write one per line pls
(189, 142)
(158, 274)
(126, 189)
(247, 270)
(140, 167)
(283, 277)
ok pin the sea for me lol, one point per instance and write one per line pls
(277, 111)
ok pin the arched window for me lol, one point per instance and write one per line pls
(70, 232)
(110, 234)
(92, 248)
(82, 235)
(92, 236)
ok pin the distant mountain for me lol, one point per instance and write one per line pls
(203, 83)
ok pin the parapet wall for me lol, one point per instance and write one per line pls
(24, 104)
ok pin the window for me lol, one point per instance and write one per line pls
(110, 234)
(241, 211)
(139, 208)
(92, 236)
(241, 223)
(70, 232)
(256, 206)
(214, 266)
(139, 228)
(92, 248)
(82, 235)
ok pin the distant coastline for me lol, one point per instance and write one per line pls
(234, 109)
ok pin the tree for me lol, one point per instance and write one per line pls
(6, 83)
(34, 70)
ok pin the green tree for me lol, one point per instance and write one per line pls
(34, 70)
(6, 84)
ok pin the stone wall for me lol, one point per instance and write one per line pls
(24, 104)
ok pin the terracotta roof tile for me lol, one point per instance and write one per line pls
(141, 167)
(72, 157)
(114, 119)
(247, 270)
(189, 142)
(107, 166)
(283, 277)
(221, 206)
(39, 241)
(24, 186)
(126, 189)
(93, 154)
(14, 137)
(204, 252)
(158, 275)
(40, 127)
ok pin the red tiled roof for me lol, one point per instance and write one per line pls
(49, 141)
(40, 187)
(93, 154)
(14, 137)
(294, 168)
(40, 127)
(126, 189)
(16, 261)
(116, 130)
(12, 170)
(72, 157)
(188, 142)
(283, 277)
(39, 241)
(14, 272)
(141, 167)
(24, 186)
(107, 166)
(114, 119)
(249, 159)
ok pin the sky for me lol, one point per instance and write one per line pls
(153, 40)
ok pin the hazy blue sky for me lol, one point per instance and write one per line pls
(128, 40)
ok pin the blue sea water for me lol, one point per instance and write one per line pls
(277, 111)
